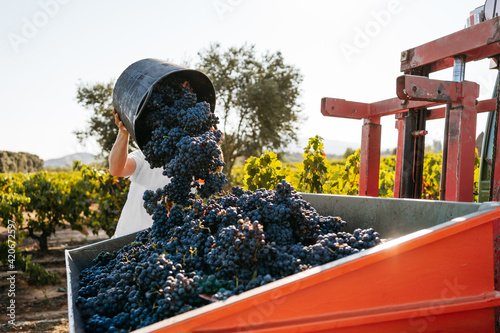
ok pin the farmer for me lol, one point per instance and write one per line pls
(134, 165)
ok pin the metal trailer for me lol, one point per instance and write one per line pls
(436, 274)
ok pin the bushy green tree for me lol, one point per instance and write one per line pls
(257, 99)
(19, 162)
(98, 98)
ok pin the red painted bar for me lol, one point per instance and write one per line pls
(477, 42)
(486, 105)
(335, 107)
(370, 157)
(421, 88)
(390, 106)
(395, 105)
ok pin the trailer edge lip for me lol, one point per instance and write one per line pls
(71, 309)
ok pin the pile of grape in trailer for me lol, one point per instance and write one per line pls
(204, 248)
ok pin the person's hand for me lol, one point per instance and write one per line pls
(119, 123)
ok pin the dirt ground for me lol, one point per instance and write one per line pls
(42, 308)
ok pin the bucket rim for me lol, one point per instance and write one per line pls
(147, 74)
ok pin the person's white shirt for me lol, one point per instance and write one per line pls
(134, 217)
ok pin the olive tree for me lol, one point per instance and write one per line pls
(256, 99)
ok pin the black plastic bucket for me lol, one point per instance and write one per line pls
(135, 85)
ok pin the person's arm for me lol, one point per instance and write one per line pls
(120, 165)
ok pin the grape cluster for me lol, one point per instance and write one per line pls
(184, 143)
(209, 251)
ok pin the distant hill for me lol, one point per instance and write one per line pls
(67, 161)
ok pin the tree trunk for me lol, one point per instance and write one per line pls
(42, 239)
(43, 242)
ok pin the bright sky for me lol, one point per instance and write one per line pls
(49, 46)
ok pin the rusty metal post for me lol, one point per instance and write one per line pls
(370, 157)
(408, 165)
(458, 75)
(399, 155)
(461, 145)
(419, 142)
(412, 159)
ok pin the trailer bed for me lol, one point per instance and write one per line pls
(436, 274)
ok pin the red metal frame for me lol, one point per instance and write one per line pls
(462, 139)
(486, 105)
(461, 148)
(420, 88)
(477, 42)
(419, 92)
(340, 108)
